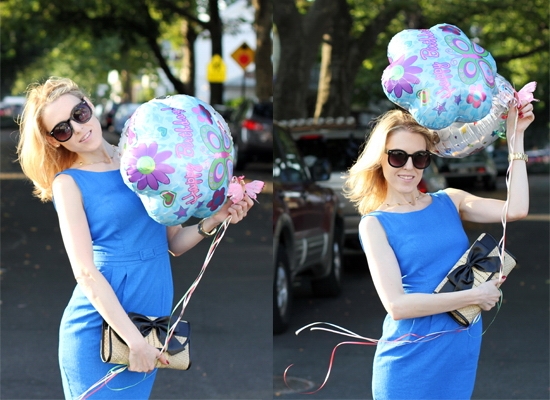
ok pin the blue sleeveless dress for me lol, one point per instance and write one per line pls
(131, 251)
(427, 243)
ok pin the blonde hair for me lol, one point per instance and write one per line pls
(365, 185)
(39, 159)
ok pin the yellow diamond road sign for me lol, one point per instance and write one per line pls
(244, 55)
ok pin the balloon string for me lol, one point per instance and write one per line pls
(187, 296)
(509, 172)
(102, 382)
(184, 301)
(414, 338)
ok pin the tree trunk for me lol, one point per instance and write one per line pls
(187, 72)
(334, 95)
(300, 38)
(264, 69)
(346, 54)
(216, 31)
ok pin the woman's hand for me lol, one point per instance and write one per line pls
(525, 116)
(237, 211)
(143, 357)
(489, 294)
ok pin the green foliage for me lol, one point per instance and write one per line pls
(82, 40)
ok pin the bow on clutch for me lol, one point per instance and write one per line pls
(462, 277)
(161, 325)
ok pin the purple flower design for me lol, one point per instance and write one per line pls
(146, 167)
(203, 114)
(218, 199)
(398, 77)
(476, 96)
(450, 29)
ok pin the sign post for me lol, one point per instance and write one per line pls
(244, 56)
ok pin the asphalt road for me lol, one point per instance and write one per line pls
(514, 362)
(230, 311)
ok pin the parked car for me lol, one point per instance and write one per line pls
(475, 169)
(122, 114)
(432, 180)
(307, 228)
(108, 113)
(539, 160)
(251, 126)
(341, 148)
(500, 157)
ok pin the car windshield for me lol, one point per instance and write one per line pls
(264, 110)
(342, 152)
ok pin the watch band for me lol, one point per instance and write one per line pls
(518, 156)
(203, 233)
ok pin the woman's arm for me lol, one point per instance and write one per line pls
(78, 243)
(182, 239)
(478, 209)
(386, 276)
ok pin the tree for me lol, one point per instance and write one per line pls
(353, 53)
(264, 48)
(300, 34)
(133, 23)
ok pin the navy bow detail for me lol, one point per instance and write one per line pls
(146, 325)
(462, 277)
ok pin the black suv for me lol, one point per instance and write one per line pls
(307, 228)
(251, 126)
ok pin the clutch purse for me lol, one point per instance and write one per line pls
(155, 330)
(477, 265)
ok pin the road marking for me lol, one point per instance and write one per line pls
(12, 176)
(537, 217)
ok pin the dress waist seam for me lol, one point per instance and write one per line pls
(143, 254)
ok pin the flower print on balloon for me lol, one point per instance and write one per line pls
(431, 72)
(400, 76)
(476, 97)
(146, 167)
(177, 156)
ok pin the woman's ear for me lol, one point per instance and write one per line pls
(52, 141)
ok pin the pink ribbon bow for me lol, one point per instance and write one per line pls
(525, 95)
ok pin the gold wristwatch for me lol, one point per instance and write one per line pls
(518, 156)
(203, 233)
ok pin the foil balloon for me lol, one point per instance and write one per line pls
(177, 156)
(440, 76)
(463, 139)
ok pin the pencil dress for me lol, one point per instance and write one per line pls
(131, 251)
(427, 243)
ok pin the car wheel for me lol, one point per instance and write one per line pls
(282, 292)
(331, 285)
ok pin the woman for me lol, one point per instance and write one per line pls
(119, 255)
(411, 241)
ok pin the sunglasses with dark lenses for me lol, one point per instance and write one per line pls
(398, 158)
(81, 113)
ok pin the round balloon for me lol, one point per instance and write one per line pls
(463, 139)
(439, 76)
(177, 155)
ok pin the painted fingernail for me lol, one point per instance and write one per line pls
(503, 277)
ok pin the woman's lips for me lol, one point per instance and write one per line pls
(86, 136)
